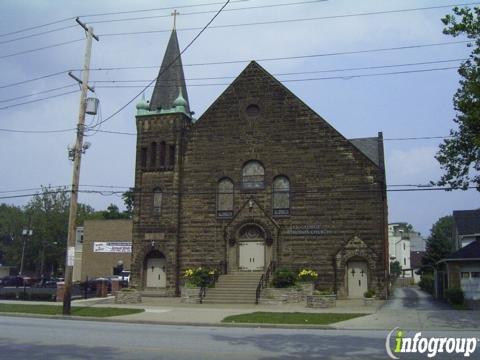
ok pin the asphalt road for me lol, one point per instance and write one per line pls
(34, 338)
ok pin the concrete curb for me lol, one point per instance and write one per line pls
(171, 323)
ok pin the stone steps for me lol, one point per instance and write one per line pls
(234, 288)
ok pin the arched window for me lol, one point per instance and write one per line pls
(281, 196)
(143, 158)
(225, 198)
(171, 156)
(162, 154)
(253, 175)
(157, 201)
(153, 157)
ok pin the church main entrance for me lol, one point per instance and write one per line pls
(155, 275)
(251, 249)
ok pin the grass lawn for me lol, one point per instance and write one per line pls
(290, 318)
(76, 310)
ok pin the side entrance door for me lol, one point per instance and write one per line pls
(357, 279)
(252, 255)
(156, 276)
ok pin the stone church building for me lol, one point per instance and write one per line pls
(258, 178)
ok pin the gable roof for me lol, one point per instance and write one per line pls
(370, 148)
(467, 222)
(471, 251)
(170, 78)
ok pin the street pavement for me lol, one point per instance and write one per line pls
(33, 338)
(411, 308)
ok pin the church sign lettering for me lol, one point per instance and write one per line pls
(113, 247)
(302, 230)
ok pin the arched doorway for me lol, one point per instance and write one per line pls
(155, 270)
(251, 248)
(357, 277)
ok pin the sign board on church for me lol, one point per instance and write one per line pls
(113, 247)
(313, 230)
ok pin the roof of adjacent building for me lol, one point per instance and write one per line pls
(171, 80)
(471, 251)
(370, 147)
(467, 222)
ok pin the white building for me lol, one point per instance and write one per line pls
(399, 244)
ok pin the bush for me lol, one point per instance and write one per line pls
(41, 297)
(198, 277)
(307, 275)
(454, 296)
(283, 278)
(370, 293)
(427, 283)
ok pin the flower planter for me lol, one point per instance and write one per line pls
(129, 296)
(307, 288)
(321, 301)
(368, 301)
(190, 295)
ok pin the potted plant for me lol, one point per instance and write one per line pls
(194, 280)
(307, 277)
(369, 297)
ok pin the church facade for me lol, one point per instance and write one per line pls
(258, 178)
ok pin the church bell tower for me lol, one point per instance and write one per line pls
(161, 127)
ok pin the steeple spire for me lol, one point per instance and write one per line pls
(170, 77)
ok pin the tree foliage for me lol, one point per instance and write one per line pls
(459, 156)
(395, 268)
(440, 241)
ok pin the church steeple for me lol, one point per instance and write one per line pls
(170, 78)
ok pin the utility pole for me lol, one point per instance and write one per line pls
(25, 233)
(77, 157)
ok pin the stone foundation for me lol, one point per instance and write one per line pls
(292, 295)
(190, 295)
(128, 297)
(321, 301)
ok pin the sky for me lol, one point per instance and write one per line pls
(404, 92)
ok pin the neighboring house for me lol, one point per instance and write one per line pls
(466, 227)
(106, 244)
(259, 179)
(399, 244)
(460, 270)
(416, 263)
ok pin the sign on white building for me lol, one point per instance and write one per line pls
(113, 247)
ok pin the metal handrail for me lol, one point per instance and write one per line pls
(221, 269)
(264, 280)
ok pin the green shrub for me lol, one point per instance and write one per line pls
(454, 296)
(41, 297)
(198, 277)
(10, 296)
(427, 283)
(370, 293)
(283, 278)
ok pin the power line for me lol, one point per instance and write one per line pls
(37, 34)
(112, 13)
(34, 79)
(168, 66)
(287, 4)
(345, 77)
(295, 73)
(186, 193)
(418, 138)
(33, 101)
(40, 48)
(289, 20)
(38, 93)
(37, 131)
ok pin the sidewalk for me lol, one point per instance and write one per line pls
(172, 311)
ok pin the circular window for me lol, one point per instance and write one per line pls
(253, 110)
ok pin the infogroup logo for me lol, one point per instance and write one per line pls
(429, 346)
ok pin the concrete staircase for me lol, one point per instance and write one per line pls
(234, 288)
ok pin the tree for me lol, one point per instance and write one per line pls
(459, 156)
(113, 213)
(440, 241)
(395, 268)
(128, 197)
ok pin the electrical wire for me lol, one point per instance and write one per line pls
(33, 101)
(38, 93)
(40, 48)
(34, 79)
(169, 65)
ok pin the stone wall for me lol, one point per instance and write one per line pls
(335, 188)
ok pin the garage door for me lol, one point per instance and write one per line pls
(470, 283)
